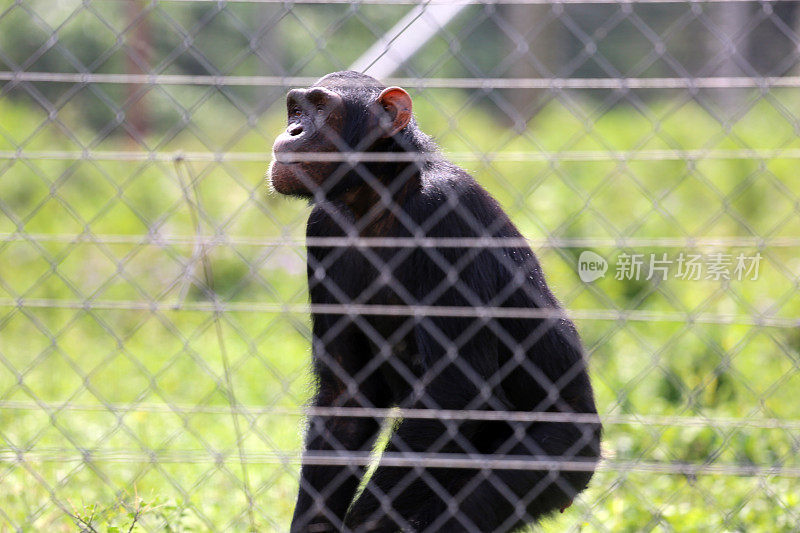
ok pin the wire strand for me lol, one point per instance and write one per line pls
(361, 157)
(397, 459)
(712, 82)
(159, 239)
(426, 414)
(408, 310)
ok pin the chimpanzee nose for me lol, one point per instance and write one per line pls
(295, 129)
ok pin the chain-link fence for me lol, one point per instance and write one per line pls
(155, 337)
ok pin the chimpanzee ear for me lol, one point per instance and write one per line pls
(397, 104)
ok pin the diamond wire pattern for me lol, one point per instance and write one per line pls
(725, 201)
(249, 112)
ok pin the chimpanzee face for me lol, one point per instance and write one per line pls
(315, 124)
(307, 156)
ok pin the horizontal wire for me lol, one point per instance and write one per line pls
(423, 414)
(158, 239)
(469, 2)
(417, 311)
(398, 459)
(714, 82)
(356, 157)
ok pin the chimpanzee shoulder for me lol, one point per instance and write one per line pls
(453, 204)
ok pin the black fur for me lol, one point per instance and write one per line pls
(436, 360)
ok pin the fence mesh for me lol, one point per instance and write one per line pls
(154, 318)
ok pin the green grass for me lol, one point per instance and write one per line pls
(139, 379)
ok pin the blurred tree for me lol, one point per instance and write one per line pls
(138, 62)
(538, 51)
(773, 43)
(516, 41)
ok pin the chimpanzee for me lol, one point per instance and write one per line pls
(424, 296)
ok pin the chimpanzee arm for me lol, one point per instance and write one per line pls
(326, 491)
(340, 351)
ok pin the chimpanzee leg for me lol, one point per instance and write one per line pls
(455, 499)
(503, 500)
(399, 497)
(407, 498)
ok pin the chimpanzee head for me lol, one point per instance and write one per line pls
(342, 112)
